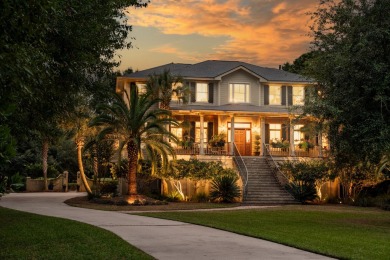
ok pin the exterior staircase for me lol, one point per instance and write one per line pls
(262, 187)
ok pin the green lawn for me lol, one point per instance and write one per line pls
(29, 236)
(338, 231)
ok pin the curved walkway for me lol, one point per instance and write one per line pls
(163, 239)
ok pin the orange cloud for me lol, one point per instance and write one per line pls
(259, 31)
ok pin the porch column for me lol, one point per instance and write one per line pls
(320, 144)
(292, 146)
(201, 150)
(262, 131)
(232, 135)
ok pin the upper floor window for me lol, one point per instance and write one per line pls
(239, 93)
(275, 95)
(202, 92)
(298, 95)
(175, 95)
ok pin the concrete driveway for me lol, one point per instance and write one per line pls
(163, 239)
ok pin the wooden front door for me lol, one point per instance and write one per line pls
(240, 139)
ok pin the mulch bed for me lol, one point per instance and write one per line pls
(148, 204)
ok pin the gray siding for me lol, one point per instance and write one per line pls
(240, 76)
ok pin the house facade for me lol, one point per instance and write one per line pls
(238, 106)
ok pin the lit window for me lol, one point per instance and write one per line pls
(239, 93)
(202, 92)
(298, 135)
(197, 132)
(298, 95)
(178, 132)
(275, 95)
(275, 132)
(141, 88)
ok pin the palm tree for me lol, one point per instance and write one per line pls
(161, 86)
(134, 120)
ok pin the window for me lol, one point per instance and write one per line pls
(141, 88)
(298, 95)
(197, 132)
(178, 132)
(275, 95)
(202, 92)
(175, 97)
(298, 135)
(275, 132)
(239, 93)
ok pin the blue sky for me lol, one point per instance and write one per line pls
(262, 32)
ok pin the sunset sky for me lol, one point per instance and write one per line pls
(262, 32)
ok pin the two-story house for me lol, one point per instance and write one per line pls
(237, 100)
(235, 109)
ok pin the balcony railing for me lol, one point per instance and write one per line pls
(299, 152)
(207, 150)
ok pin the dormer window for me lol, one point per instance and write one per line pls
(239, 93)
(202, 92)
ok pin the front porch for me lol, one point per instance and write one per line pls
(254, 134)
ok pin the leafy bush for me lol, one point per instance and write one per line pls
(225, 189)
(18, 187)
(306, 176)
(375, 196)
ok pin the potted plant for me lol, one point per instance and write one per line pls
(305, 145)
(257, 145)
(218, 140)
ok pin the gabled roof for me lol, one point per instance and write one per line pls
(215, 68)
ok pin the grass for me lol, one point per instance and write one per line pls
(83, 202)
(30, 236)
(337, 231)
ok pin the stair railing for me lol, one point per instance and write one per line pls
(281, 178)
(241, 168)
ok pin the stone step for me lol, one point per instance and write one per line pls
(263, 187)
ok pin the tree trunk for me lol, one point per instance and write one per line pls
(45, 151)
(132, 154)
(80, 145)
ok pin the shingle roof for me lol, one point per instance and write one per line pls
(214, 68)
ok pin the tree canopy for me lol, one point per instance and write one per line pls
(351, 40)
(49, 52)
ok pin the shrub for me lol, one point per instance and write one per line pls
(225, 189)
(375, 196)
(18, 187)
(302, 191)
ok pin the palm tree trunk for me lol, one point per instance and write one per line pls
(45, 151)
(80, 145)
(132, 154)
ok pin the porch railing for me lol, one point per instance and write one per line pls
(207, 150)
(237, 158)
(285, 152)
